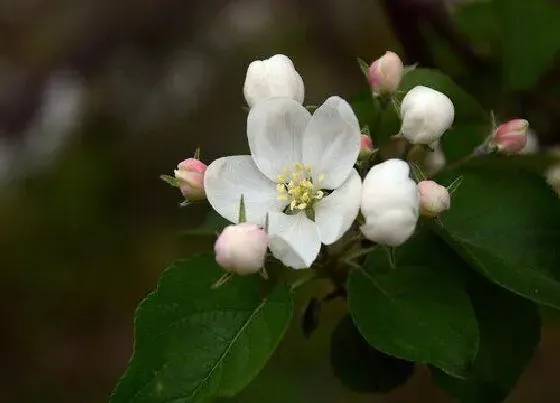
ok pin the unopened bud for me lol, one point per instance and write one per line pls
(434, 198)
(385, 73)
(553, 177)
(426, 114)
(511, 137)
(366, 146)
(389, 203)
(241, 248)
(273, 77)
(190, 175)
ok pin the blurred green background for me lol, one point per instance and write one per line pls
(98, 98)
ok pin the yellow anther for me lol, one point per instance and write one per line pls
(298, 187)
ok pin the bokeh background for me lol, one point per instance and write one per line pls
(100, 97)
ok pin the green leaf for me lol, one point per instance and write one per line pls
(478, 21)
(506, 223)
(471, 125)
(367, 110)
(536, 163)
(192, 342)
(389, 124)
(531, 39)
(419, 311)
(360, 367)
(214, 222)
(311, 316)
(509, 334)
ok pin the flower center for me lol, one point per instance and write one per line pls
(295, 185)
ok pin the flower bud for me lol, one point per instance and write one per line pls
(273, 77)
(190, 175)
(366, 146)
(385, 73)
(434, 160)
(532, 146)
(389, 203)
(241, 248)
(434, 198)
(511, 137)
(553, 177)
(426, 114)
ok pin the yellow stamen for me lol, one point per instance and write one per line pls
(298, 186)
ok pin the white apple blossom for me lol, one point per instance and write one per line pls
(389, 203)
(273, 77)
(426, 114)
(300, 173)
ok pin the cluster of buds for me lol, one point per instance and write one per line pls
(388, 199)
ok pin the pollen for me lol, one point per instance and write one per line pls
(299, 187)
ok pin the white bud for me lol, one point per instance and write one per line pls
(426, 114)
(273, 77)
(434, 198)
(434, 160)
(553, 177)
(241, 248)
(532, 146)
(389, 203)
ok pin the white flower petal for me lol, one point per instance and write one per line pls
(336, 212)
(229, 177)
(293, 239)
(332, 142)
(275, 129)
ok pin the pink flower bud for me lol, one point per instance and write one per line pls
(511, 137)
(434, 198)
(190, 175)
(241, 248)
(385, 73)
(366, 146)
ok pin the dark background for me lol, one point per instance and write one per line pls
(98, 98)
